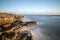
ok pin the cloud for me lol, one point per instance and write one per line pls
(40, 12)
(35, 12)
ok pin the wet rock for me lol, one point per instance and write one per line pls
(11, 26)
(26, 35)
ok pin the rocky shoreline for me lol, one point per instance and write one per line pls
(11, 24)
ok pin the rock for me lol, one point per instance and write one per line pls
(8, 18)
(26, 35)
(11, 25)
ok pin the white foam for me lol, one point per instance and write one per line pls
(36, 31)
(25, 19)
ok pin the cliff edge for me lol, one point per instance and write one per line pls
(11, 24)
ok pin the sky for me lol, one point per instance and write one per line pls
(31, 6)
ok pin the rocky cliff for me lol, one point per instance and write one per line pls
(11, 25)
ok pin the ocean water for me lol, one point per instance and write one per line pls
(48, 27)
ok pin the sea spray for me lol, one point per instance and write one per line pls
(34, 30)
(37, 32)
(25, 19)
(48, 27)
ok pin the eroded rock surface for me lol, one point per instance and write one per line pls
(11, 25)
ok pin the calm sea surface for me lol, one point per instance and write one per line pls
(48, 26)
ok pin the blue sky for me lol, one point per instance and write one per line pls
(30, 6)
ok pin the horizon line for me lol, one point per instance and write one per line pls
(34, 13)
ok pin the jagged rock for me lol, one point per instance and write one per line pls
(11, 25)
(8, 18)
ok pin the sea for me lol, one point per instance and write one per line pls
(48, 26)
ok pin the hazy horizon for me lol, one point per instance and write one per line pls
(45, 7)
